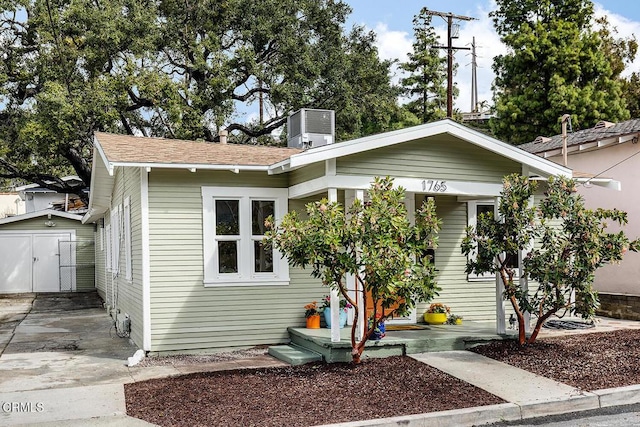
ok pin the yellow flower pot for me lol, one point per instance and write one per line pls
(435, 318)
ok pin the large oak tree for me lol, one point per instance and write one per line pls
(178, 70)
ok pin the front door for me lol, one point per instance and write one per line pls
(46, 262)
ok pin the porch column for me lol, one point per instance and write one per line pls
(360, 295)
(335, 299)
(501, 327)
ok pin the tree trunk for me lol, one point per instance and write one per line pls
(539, 324)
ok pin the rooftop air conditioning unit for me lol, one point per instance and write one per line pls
(309, 128)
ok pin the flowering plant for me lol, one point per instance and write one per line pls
(311, 309)
(437, 307)
(326, 303)
(453, 318)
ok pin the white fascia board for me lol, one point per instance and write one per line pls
(445, 126)
(103, 156)
(39, 214)
(189, 166)
(280, 167)
(94, 209)
(411, 185)
(92, 216)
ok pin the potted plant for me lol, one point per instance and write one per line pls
(326, 310)
(380, 331)
(436, 314)
(312, 314)
(454, 319)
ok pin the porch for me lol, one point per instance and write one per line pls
(308, 345)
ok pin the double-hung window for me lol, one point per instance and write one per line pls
(476, 208)
(233, 234)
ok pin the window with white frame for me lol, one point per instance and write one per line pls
(233, 234)
(475, 208)
(128, 270)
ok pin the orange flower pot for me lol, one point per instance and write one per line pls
(313, 322)
(435, 318)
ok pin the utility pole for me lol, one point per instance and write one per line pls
(452, 33)
(474, 78)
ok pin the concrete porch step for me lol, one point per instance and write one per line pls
(294, 354)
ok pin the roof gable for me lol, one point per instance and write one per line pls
(38, 214)
(446, 126)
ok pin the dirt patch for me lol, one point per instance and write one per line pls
(591, 361)
(186, 359)
(303, 395)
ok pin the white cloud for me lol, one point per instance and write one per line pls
(393, 44)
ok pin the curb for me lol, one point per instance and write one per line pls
(480, 415)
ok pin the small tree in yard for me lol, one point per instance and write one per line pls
(375, 242)
(571, 243)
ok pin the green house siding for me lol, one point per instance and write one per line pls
(474, 300)
(442, 157)
(307, 173)
(84, 246)
(128, 293)
(186, 315)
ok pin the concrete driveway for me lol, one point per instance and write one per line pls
(59, 340)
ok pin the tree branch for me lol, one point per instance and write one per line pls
(255, 133)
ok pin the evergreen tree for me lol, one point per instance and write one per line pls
(427, 72)
(557, 64)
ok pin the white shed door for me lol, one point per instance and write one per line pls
(46, 262)
(15, 263)
(30, 262)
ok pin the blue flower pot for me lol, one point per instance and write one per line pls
(327, 317)
(379, 333)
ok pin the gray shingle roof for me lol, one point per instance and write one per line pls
(584, 136)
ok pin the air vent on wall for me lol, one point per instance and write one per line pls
(541, 139)
(603, 124)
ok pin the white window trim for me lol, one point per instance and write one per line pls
(472, 221)
(128, 270)
(108, 252)
(116, 215)
(101, 234)
(245, 275)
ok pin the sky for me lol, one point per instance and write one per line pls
(392, 22)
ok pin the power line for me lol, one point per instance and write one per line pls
(609, 168)
(449, 17)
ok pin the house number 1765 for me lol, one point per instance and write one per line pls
(434, 186)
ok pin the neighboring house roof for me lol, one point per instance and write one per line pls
(38, 188)
(603, 134)
(125, 150)
(47, 212)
